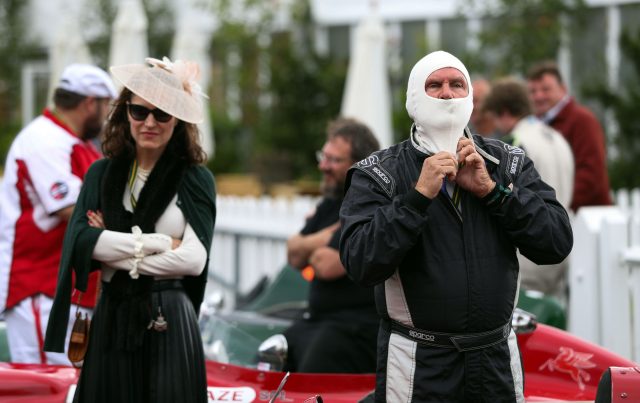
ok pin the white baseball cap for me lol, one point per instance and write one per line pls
(87, 80)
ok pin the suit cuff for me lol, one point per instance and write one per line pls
(417, 201)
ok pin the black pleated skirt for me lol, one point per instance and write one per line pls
(168, 367)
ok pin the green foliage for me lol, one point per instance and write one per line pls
(623, 167)
(283, 119)
(518, 33)
(14, 49)
(400, 119)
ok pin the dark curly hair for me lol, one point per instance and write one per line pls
(118, 142)
(356, 133)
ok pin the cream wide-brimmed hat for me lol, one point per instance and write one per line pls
(170, 86)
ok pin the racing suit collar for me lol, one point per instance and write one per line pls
(466, 133)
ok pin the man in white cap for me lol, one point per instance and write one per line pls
(434, 223)
(43, 174)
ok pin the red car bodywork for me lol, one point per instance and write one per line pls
(558, 367)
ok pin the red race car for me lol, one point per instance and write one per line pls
(557, 365)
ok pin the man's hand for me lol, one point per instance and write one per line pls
(326, 263)
(472, 174)
(434, 170)
(300, 247)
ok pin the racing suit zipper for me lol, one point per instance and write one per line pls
(450, 205)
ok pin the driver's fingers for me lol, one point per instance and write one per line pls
(463, 141)
(473, 159)
(465, 151)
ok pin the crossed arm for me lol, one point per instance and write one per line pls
(160, 255)
(313, 249)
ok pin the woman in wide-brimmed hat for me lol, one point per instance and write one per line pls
(145, 217)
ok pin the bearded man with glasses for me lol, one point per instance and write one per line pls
(338, 331)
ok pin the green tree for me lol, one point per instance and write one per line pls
(307, 92)
(275, 138)
(518, 33)
(14, 49)
(623, 104)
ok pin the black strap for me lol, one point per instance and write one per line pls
(171, 284)
(459, 341)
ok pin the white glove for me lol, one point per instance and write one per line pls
(147, 244)
(155, 243)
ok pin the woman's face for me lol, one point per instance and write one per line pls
(153, 131)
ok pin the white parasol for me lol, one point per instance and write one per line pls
(367, 94)
(129, 35)
(193, 36)
(67, 47)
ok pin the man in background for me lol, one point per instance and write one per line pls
(554, 106)
(509, 104)
(43, 174)
(434, 223)
(338, 332)
(481, 122)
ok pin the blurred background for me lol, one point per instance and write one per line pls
(277, 70)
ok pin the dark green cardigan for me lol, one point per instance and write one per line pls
(196, 200)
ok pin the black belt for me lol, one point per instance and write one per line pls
(161, 285)
(459, 341)
(156, 285)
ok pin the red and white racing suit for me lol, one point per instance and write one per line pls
(43, 174)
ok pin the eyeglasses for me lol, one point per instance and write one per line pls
(140, 113)
(321, 156)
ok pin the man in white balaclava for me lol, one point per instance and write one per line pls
(440, 109)
(434, 223)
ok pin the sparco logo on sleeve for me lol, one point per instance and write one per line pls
(515, 160)
(369, 161)
(381, 174)
(514, 164)
(513, 149)
(371, 166)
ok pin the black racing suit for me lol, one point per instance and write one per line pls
(442, 269)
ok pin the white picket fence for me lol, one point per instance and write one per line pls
(604, 275)
(249, 240)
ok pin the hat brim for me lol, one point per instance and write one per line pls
(177, 102)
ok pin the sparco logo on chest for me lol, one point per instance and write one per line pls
(421, 336)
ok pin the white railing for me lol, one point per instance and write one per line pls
(604, 275)
(250, 237)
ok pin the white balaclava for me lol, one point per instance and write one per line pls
(439, 122)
